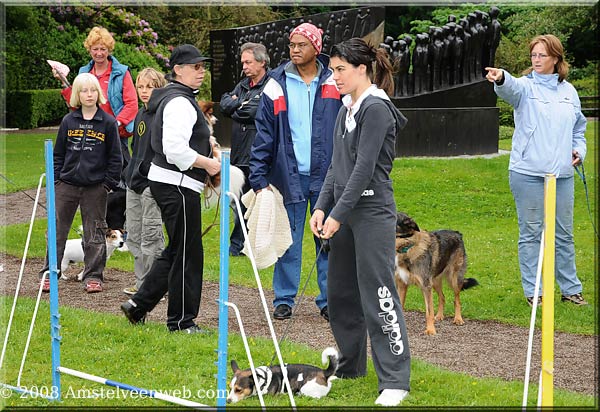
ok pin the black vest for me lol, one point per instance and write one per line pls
(200, 139)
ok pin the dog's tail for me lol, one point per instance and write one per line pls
(332, 355)
(469, 283)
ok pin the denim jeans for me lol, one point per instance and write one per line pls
(286, 276)
(528, 192)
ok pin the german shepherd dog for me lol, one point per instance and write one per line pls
(424, 259)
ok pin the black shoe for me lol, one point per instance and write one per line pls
(282, 312)
(325, 313)
(133, 313)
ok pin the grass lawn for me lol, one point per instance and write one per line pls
(469, 195)
(148, 357)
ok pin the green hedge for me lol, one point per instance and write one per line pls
(506, 113)
(28, 109)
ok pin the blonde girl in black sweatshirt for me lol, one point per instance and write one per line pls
(87, 165)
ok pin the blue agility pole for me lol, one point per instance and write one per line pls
(54, 315)
(223, 284)
(134, 389)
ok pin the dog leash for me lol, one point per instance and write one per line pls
(324, 247)
(581, 174)
(214, 222)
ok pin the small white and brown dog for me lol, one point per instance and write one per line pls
(304, 379)
(74, 250)
(237, 180)
(212, 193)
(207, 109)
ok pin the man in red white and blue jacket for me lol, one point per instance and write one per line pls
(292, 151)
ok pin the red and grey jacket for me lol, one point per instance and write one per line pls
(272, 159)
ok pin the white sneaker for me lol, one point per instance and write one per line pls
(391, 397)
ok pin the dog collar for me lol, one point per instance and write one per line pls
(264, 375)
(405, 248)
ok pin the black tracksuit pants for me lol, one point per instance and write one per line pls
(362, 298)
(179, 268)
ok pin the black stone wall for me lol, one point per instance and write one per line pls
(450, 106)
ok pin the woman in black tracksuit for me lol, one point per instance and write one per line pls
(359, 196)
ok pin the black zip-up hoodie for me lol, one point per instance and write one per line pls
(362, 159)
(136, 173)
(200, 139)
(88, 152)
(242, 111)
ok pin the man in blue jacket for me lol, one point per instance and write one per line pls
(292, 151)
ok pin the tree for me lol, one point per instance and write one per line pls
(575, 26)
(186, 24)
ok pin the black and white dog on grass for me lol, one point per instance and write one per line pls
(304, 379)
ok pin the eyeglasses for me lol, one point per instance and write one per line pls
(300, 46)
(536, 55)
(197, 66)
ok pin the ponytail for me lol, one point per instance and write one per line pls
(379, 68)
(383, 72)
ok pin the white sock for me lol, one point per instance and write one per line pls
(391, 397)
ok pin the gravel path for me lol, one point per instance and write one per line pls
(478, 348)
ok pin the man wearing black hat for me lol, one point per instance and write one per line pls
(181, 161)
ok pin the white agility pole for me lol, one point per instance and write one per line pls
(18, 288)
(18, 388)
(31, 325)
(248, 354)
(532, 322)
(142, 392)
(286, 382)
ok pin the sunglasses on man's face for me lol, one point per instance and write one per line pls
(196, 66)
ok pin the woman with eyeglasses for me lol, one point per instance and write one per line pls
(180, 140)
(548, 139)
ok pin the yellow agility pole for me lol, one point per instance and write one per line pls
(547, 389)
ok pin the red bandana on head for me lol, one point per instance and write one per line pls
(312, 33)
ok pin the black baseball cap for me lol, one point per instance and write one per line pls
(186, 54)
